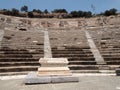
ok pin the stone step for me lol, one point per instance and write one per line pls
(110, 52)
(109, 49)
(72, 55)
(23, 44)
(14, 73)
(27, 46)
(18, 59)
(21, 52)
(83, 67)
(8, 64)
(66, 50)
(22, 49)
(81, 58)
(93, 71)
(77, 47)
(111, 58)
(85, 71)
(82, 63)
(18, 68)
(71, 52)
(93, 67)
(73, 48)
(113, 62)
(20, 55)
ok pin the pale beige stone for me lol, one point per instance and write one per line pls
(53, 67)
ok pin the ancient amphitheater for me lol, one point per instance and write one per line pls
(91, 45)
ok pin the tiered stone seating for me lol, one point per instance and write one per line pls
(108, 43)
(20, 52)
(73, 45)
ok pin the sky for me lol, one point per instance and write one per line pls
(69, 5)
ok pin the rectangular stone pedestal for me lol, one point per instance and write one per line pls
(33, 78)
(54, 67)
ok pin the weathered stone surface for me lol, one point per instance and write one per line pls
(53, 62)
(33, 78)
(64, 79)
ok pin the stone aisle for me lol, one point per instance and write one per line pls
(99, 59)
(47, 47)
(1, 36)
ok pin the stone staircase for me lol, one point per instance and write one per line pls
(108, 43)
(18, 55)
(80, 59)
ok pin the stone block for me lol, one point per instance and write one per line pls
(53, 67)
(64, 79)
(33, 78)
(53, 62)
(54, 73)
(118, 71)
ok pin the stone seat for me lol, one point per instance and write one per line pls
(70, 52)
(81, 58)
(82, 62)
(18, 59)
(18, 68)
(21, 55)
(14, 73)
(73, 55)
(111, 55)
(22, 52)
(24, 63)
(111, 58)
(113, 62)
(83, 67)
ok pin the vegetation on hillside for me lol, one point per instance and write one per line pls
(56, 13)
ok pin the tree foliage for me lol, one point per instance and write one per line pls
(63, 13)
(77, 14)
(112, 11)
(30, 14)
(46, 11)
(37, 11)
(15, 12)
(24, 8)
(59, 11)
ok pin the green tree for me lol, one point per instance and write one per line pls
(24, 8)
(15, 12)
(30, 14)
(74, 14)
(110, 12)
(87, 14)
(59, 11)
(37, 10)
(46, 11)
